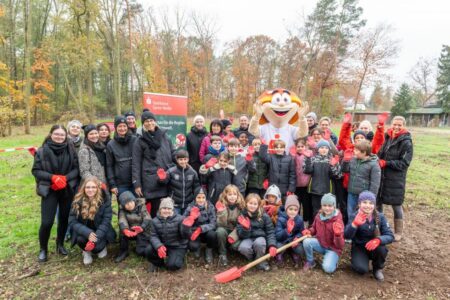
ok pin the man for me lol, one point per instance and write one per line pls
(243, 126)
(131, 121)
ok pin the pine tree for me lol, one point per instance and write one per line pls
(402, 101)
(443, 79)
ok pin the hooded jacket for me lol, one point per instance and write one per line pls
(323, 231)
(259, 227)
(281, 233)
(169, 232)
(366, 231)
(364, 174)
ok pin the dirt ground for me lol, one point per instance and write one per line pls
(417, 268)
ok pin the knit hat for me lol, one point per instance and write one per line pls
(225, 123)
(198, 117)
(275, 191)
(359, 132)
(147, 115)
(88, 128)
(312, 115)
(367, 195)
(292, 200)
(166, 203)
(74, 122)
(119, 120)
(126, 197)
(199, 191)
(328, 199)
(323, 143)
(130, 113)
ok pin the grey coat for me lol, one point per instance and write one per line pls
(364, 174)
(89, 164)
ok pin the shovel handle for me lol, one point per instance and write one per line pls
(267, 256)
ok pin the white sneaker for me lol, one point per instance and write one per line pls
(102, 253)
(87, 257)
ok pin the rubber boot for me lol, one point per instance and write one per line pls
(209, 255)
(398, 229)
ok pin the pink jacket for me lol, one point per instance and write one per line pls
(206, 142)
(302, 178)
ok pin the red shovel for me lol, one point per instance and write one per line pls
(235, 272)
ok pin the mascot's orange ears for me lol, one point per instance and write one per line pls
(266, 97)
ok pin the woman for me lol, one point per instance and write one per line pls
(152, 153)
(194, 141)
(90, 219)
(92, 155)
(215, 128)
(367, 128)
(74, 130)
(56, 171)
(394, 158)
(104, 133)
(325, 123)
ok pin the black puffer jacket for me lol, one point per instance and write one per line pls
(218, 179)
(145, 166)
(364, 174)
(169, 232)
(262, 227)
(397, 153)
(193, 142)
(281, 170)
(207, 218)
(119, 157)
(243, 167)
(182, 184)
(322, 174)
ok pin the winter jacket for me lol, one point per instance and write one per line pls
(145, 166)
(302, 178)
(218, 179)
(271, 209)
(256, 178)
(206, 142)
(366, 231)
(118, 163)
(169, 232)
(281, 232)
(323, 231)
(139, 216)
(237, 132)
(281, 170)
(334, 138)
(207, 218)
(364, 174)
(193, 142)
(101, 225)
(243, 167)
(182, 184)
(228, 217)
(322, 174)
(77, 143)
(262, 227)
(398, 153)
(89, 164)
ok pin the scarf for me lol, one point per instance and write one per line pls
(99, 150)
(122, 139)
(325, 218)
(59, 157)
(214, 151)
(152, 140)
(199, 132)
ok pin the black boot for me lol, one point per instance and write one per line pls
(60, 249)
(42, 256)
(122, 255)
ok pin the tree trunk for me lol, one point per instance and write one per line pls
(27, 98)
(91, 113)
(116, 58)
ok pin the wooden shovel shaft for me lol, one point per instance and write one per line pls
(267, 256)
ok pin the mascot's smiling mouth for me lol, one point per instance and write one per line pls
(281, 113)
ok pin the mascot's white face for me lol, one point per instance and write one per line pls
(280, 109)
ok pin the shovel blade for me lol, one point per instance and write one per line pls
(229, 275)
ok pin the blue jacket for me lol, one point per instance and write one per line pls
(281, 233)
(366, 231)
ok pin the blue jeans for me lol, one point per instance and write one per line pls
(352, 202)
(330, 258)
(124, 189)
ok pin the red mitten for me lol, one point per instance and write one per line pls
(327, 134)
(359, 219)
(161, 174)
(311, 143)
(195, 212)
(306, 232)
(347, 118)
(230, 240)
(129, 233)
(248, 157)
(348, 155)
(189, 221)
(219, 206)
(382, 163)
(334, 160)
(89, 246)
(290, 225)
(32, 150)
(338, 228)
(162, 252)
(57, 183)
(196, 233)
(382, 118)
(244, 221)
(265, 184)
(288, 193)
(103, 186)
(293, 151)
(137, 229)
(211, 162)
(251, 150)
(273, 251)
(373, 244)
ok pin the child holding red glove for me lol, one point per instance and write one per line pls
(272, 202)
(370, 233)
(257, 177)
(256, 232)
(302, 180)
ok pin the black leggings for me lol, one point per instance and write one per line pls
(315, 201)
(360, 258)
(397, 209)
(63, 200)
(210, 238)
(155, 206)
(305, 199)
(341, 198)
(174, 260)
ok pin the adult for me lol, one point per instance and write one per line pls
(226, 126)
(119, 154)
(92, 155)
(366, 127)
(55, 168)
(243, 127)
(90, 219)
(152, 152)
(325, 123)
(131, 121)
(194, 141)
(395, 157)
(104, 133)
(215, 128)
(311, 119)
(74, 133)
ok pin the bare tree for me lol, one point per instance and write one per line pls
(423, 75)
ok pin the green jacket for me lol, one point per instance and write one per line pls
(256, 178)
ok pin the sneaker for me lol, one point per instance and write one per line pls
(308, 266)
(264, 266)
(223, 260)
(102, 253)
(348, 241)
(378, 274)
(208, 255)
(87, 257)
(197, 253)
(122, 255)
(296, 260)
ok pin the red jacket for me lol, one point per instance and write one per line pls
(323, 231)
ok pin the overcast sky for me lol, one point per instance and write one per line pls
(422, 27)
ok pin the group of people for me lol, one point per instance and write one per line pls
(228, 190)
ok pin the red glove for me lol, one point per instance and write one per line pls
(266, 184)
(162, 252)
(58, 182)
(289, 193)
(347, 118)
(231, 240)
(129, 233)
(263, 141)
(161, 174)
(251, 150)
(32, 150)
(295, 245)
(348, 155)
(373, 244)
(382, 118)
(382, 163)
(311, 143)
(195, 212)
(273, 251)
(293, 151)
(211, 162)
(359, 219)
(137, 229)
(249, 156)
(189, 221)
(334, 160)
(327, 135)
(306, 232)
(290, 225)
(338, 228)
(196, 233)
(103, 186)
(219, 206)
(307, 153)
(89, 246)
(228, 137)
(244, 221)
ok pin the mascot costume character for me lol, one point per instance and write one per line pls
(279, 114)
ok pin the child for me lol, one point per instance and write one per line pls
(370, 233)
(328, 236)
(365, 173)
(200, 217)
(168, 240)
(272, 202)
(134, 223)
(243, 138)
(182, 181)
(256, 232)
(242, 164)
(257, 177)
(215, 148)
(218, 175)
(289, 227)
(229, 207)
(322, 168)
(281, 167)
(302, 181)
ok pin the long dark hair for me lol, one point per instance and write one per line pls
(54, 127)
(216, 122)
